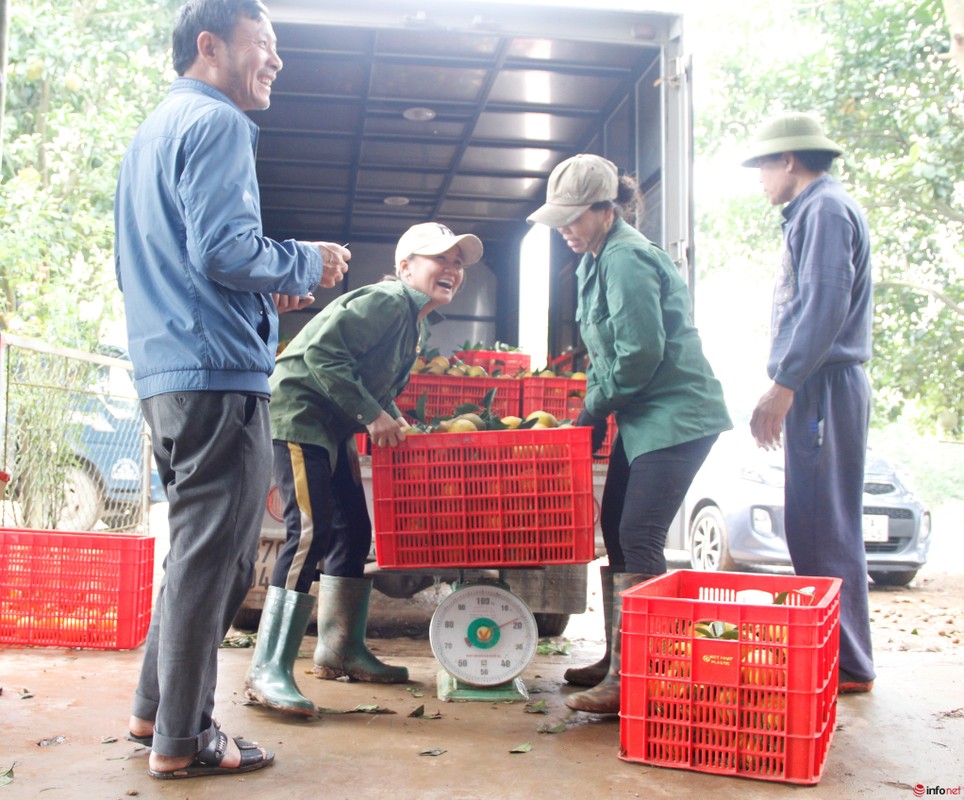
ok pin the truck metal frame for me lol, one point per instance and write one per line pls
(391, 113)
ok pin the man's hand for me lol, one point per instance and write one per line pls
(335, 260)
(290, 302)
(766, 423)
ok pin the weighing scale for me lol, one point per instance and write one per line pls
(484, 637)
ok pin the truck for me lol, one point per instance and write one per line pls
(389, 113)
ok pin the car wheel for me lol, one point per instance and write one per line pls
(894, 578)
(83, 503)
(551, 624)
(709, 545)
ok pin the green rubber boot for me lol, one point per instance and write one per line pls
(270, 680)
(342, 619)
(604, 698)
(594, 673)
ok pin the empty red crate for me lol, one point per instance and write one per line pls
(488, 499)
(507, 363)
(87, 590)
(445, 393)
(762, 705)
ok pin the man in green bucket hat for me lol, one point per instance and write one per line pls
(819, 401)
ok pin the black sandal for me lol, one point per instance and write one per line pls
(208, 761)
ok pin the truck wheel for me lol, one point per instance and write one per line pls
(709, 543)
(894, 578)
(83, 502)
(551, 624)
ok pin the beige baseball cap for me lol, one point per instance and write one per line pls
(574, 185)
(433, 239)
(787, 133)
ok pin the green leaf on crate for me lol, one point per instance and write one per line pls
(467, 408)
(716, 629)
(419, 412)
(528, 423)
(430, 354)
(6, 775)
(548, 727)
(522, 748)
(487, 400)
(539, 707)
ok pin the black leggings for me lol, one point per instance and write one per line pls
(641, 499)
(326, 516)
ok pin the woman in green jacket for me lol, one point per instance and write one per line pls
(340, 376)
(646, 366)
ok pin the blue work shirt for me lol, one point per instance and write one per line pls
(823, 306)
(195, 269)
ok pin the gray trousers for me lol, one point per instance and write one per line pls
(213, 454)
(826, 444)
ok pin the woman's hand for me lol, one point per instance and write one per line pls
(386, 431)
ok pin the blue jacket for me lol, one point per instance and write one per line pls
(196, 271)
(823, 304)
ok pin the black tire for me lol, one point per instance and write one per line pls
(551, 624)
(894, 578)
(709, 542)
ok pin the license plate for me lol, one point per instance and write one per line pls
(875, 527)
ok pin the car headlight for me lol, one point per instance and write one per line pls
(925, 526)
(125, 469)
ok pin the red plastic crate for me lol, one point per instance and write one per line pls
(445, 393)
(760, 706)
(86, 590)
(508, 363)
(563, 398)
(513, 498)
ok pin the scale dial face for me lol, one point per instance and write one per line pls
(483, 635)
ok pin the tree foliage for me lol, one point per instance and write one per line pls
(81, 76)
(879, 76)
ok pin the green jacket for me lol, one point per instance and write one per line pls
(646, 360)
(347, 365)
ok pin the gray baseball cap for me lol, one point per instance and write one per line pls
(787, 133)
(574, 185)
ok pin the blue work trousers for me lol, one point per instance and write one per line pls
(825, 444)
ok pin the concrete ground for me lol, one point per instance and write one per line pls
(63, 716)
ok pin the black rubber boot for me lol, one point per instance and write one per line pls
(342, 619)
(270, 680)
(594, 673)
(604, 698)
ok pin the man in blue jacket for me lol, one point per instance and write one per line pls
(820, 396)
(202, 289)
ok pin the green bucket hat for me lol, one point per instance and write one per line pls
(788, 133)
